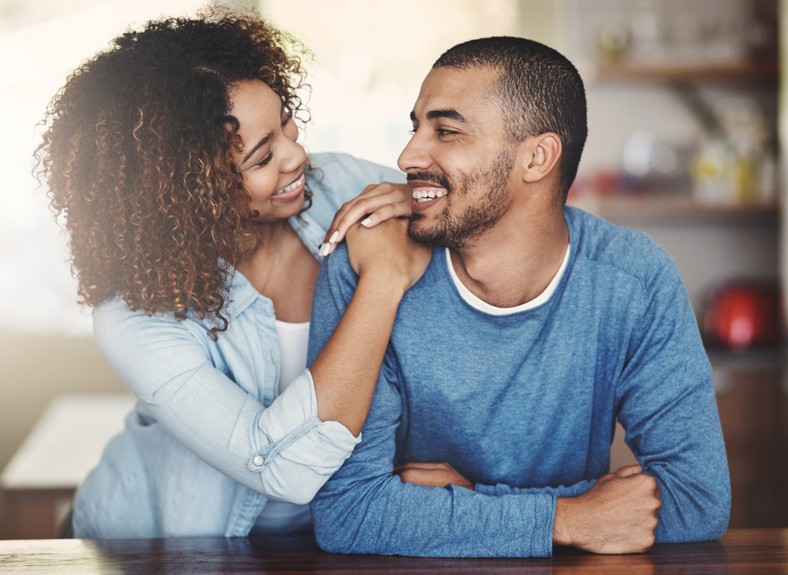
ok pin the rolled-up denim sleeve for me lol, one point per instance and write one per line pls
(303, 451)
(283, 451)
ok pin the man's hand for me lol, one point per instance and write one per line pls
(431, 474)
(376, 204)
(617, 515)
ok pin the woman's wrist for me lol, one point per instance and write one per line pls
(384, 282)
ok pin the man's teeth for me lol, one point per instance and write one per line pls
(291, 187)
(427, 194)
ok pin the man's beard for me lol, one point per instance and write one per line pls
(459, 230)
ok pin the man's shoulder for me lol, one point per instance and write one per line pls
(338, 269)
(605, 243)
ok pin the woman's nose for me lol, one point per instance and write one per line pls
(295, 156)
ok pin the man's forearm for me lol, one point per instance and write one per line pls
(386, 516)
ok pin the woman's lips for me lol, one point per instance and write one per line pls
(291, 190)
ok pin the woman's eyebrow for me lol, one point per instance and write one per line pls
(263, 141)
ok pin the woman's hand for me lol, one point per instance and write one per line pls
(376, 204)
(388, 252)
(431, 474)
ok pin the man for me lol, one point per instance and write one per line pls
(535, 327)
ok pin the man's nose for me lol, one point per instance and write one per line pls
(414, 155)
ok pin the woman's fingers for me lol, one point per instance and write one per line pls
(376, 204)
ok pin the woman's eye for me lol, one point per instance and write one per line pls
(266, 160)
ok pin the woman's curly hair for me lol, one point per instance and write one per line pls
(137, 157)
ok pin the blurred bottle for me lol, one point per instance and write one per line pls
(734, 165)
(717, 173)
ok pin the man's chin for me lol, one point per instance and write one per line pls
(417, 231)
(426, 236)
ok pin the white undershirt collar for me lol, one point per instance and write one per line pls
(481, 305)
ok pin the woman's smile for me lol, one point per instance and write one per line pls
(291, 191)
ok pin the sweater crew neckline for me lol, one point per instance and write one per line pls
(479, 304)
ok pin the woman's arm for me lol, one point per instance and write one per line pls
(388, 262)
(213, 399)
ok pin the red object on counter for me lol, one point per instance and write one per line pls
(741, 314)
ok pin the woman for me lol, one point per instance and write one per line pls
(195, 221)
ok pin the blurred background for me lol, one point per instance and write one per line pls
(687, 103)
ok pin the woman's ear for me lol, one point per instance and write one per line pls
(540, 155)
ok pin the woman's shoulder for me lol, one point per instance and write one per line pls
(341, 164)
(120, 329)
(340, 176)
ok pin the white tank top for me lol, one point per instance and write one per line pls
(278, 517)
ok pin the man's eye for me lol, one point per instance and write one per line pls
(445, 132)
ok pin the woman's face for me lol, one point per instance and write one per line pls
(272, 161)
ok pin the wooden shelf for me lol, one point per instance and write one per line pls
(755, 359)
(765, 71)
(654, 208)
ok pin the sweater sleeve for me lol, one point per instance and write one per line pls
(365, 508)
(556, 491)
(667, 407)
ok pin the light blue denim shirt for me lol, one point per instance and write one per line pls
(209, 441)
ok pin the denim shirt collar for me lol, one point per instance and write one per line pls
(241, 292)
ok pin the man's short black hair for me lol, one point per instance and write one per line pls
(539, 91)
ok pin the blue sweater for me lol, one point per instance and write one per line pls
(524, 405)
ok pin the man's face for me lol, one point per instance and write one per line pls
(458, 160)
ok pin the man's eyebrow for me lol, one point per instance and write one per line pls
(449, 113)
(263, 141)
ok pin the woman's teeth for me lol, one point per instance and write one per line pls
(427, 194)
(291, 187)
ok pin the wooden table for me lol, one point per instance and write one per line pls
(740, 551)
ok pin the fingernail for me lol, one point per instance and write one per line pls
(325, 249)
(334, 237)
(366, 222)
(332, 248)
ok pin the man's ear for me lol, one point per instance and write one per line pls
(539, 155)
